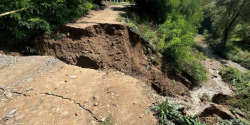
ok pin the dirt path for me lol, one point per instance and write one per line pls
(108, 15)
(200, 40)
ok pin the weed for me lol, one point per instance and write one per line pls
(95, 7)
(152, 59)
(60, 36)
(108, 121)
(205, 97)
(174, 82)
(148, 67)
(167, 113)
(233, 121)
(119, 19)
(242, 82)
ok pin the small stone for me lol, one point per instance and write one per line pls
(117, 95)
(9, 116)
(66, 80)
(12, 111)
(76, 114)
(94, 97)
(117, 72)
(51, 76)
(2, 86)
(40, 75)
(73, 77)
(96, 104)
(86, 101)
(114, 104)
(17, 123)
(67, 74)
(9, 122)
(140, 116)
(28, 89)
(8, 95)
(64, 113)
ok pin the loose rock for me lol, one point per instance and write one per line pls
(12, 111)
(9, 116)
(96, 104)
(73, 77)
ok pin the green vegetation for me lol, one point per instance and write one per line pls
(242, 82)
(167, 113)
(37, 17)
(226, 26)
(119, 19)
(233, 121)
(108, 121)
(169, 27)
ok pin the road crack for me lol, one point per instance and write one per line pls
(58, 96)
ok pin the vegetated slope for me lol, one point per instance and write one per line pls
(107, 46)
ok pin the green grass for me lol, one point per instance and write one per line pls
(119, 19)
(242, 82)
(167, 114)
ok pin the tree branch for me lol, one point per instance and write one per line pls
(10, 12)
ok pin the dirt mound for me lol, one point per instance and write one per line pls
(107, 46)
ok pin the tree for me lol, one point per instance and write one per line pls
(226, 15)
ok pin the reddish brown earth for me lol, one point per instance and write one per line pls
(107, 46)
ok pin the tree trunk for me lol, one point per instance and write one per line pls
(225, 38)
(227, 30)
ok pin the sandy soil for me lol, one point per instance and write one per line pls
(108, 15)
(42, 90)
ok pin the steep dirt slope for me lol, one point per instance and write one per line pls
(107, 46)
(43, 90)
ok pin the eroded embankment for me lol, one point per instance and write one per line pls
(109, 46)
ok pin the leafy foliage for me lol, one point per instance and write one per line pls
(242, 82)
(167, 113)
(39, 16)
(233, 121)
(227, 18)
(178, 22)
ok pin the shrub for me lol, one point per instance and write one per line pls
(37, 17)
(119, 19)
(242, 82)
(167, 113)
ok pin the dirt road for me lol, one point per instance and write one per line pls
(108, 15)
(43, 90)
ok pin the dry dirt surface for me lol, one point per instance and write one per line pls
(108, 15)
(43, 90)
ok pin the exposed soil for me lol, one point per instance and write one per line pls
(39, 90)
(107, 46)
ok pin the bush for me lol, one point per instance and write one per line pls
(167, 113)
(38, 17)
(242, 82)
